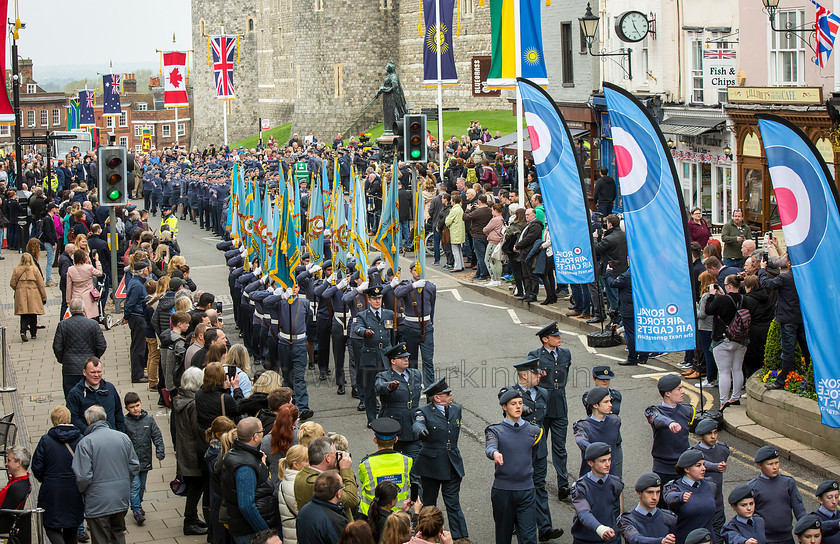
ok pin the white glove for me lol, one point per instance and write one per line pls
(277, 291)
(332, 277)
(309, 266)
(544, 245)
(326, 232)
(395, 281)
(257, 271)
(363, 286)
(265, 279)
(315, 269)
(382, 265)
(242, 250)
(289, 292)
(419, 284)
(342, 284)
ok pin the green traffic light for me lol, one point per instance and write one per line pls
(114, 195)
(415, 154)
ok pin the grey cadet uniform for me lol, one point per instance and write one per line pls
(291, 343)
(417, 328)
(372, 353)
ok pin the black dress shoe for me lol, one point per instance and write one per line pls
(306, 414)
(529, 299)
(548, 301)
(595, 319)
(361, 406)
(191, 529)
(23, 337)
(201, 524)
(551, 534)
(322, 377)
(340, 390)
(311, 366)
(563, 493)
(627, 362)
(140, 380)
(354, 392)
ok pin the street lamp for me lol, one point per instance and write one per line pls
(671, 144)
(809, 30)
(589, 29)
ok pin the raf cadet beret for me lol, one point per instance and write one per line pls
(810, 521)
(766, 453)
(826, 486)
(596, 450)
(602, 372)
(689, 458)
(646, 480)
(668, 382)
(705, 426)
(740, 493)
(326, 264)
(505, 396)
(596, 395)
(698, 536)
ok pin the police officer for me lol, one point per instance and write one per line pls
(554, 363)
(373, 326)
(169, 219)
(535, 400)
(602, 376)
(355, 299)
(512, 445)
(294, 313)
(417, 327)
(439, 465)
(647, 524)
(384, 465)
(399, 390)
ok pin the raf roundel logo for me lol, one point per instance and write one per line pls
(577, 251)
(671, 309)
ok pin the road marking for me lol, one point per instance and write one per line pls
(514, 317)
(535, 327)
(605, 356)
(212, 239)
(483, 304)
(651, 375)
(206, 266)
(582, 338)
(646, 365)
(454, 292)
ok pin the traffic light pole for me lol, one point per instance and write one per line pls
(16, 99)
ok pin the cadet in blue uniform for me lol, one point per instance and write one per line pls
(439, 464)
(600, 426)
(333, 295)
(699, 536)
(670, 421)
(808, 530)
(554, 363)
(417, 328)
(512, 445)
(356, 300)
(776, 496)
(691, 497)
(745, 527)
(535, 400)
(647, 524)
(595, 497)
(827, 496)
(399, 390)
(601, 377)
(715, 454)
(324, 319)
(373, 326)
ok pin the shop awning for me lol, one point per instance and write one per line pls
(690, 126)
(507, 144)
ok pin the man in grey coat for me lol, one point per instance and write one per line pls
(104, 465)
(76, 339)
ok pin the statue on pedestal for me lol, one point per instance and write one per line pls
(393, 99)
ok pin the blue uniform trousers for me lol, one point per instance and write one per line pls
(451, 490)
(339, 345)
(514, 509)
(293, 365)
(543, 514)
(558, 427)
(426, 348)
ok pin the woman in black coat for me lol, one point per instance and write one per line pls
(63, 505)
(14, 211)
(762, 310)
(214, 400)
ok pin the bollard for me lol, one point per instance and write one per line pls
(39, 524)
(4, 354)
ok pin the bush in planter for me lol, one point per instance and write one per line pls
(773, 350)
(802, 383)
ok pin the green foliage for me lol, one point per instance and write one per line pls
(773, 362)
(280, 133)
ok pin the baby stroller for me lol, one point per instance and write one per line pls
(103, 318)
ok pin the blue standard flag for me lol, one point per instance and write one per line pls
(111, 94)
(808, 210)
(567, 216)
(430, 47)
(86, 116)
(654, 219)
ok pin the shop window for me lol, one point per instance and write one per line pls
(566, 53)
(787, 51)
(754, 185)
(696, 63)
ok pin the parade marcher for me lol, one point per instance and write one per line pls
(699, 536)
(324, 319)
(595, 497)
(554, 363)
(776, 496)
(399, 390)
(439, 465)
(385, 464)
(602, 375)
(827, 495)
(294, 313)
(374, 327)
(715, 454)
(341, 324)
(535, 400)
(600, 426)
(357, 301)
(809, 530)
(512, 446)
(417, 327)
(691, 497)
(647, 524)
(670, 421)
(745, 527)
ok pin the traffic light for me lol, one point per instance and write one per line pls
(414, 139)
(113, 175)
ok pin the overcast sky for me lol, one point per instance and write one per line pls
(67, 32)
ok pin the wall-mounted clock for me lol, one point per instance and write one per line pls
(632, 26)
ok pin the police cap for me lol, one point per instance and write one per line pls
(596, 450)
(765, 453)
(385, 428)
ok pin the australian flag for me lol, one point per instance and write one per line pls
(224, 55)
(111, 94)
(86, 117)
(827, 25)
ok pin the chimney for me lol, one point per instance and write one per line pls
(154, 82)
(129, 84)
(25, 69)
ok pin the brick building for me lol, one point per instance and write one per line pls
(41, 111)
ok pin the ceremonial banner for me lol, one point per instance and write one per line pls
(71, 114)
(7, 113)
(233, 204)
(447, 56)
(286, 253)
(111, 87)
(387, 237)
(86, 116)
(419, 246)
(175, 80)
(566, 212)
(223, 49)
(358, 227)
(654, 219)
(808, 209)
(339, 233)
(146, 140)
(315, 228)
(503, 48)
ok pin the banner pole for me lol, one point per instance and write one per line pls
(520, 148)
(176, 126)
(224, 106)
(438, 39)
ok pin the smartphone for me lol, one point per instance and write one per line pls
(415, 490)
(231, 371)
(219, 308)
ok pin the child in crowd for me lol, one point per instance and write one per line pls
(143, 431)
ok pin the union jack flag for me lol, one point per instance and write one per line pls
(720, 54)
(827, 25)
(224, 54)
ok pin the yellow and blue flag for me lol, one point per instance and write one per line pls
(387, 237)
(358, 227)
(503, 51)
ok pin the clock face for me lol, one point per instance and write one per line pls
(632, 26)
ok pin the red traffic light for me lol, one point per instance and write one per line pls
(415, 126)
(113, 162)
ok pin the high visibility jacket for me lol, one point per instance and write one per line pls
(172, 221)
(384, 465)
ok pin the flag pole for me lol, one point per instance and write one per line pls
(176, 126)
(438, 38)
(224, 106)
(520, 148)
(836, 56)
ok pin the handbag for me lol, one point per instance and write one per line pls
(95, 294)
(178, 485)
(498, 254)
(445, 237)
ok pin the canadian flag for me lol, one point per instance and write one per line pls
(175, 79)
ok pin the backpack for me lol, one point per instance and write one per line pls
(739, 329)
(472, 177)
(179, 351)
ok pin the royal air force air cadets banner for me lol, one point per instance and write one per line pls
(808, 209)
(655, 223)
(430, 44)
(509, 60)
(557, 167)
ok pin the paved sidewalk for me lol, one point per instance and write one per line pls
(38, 377)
